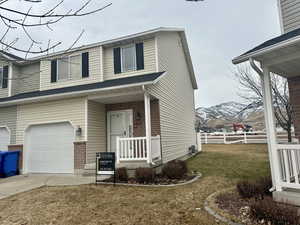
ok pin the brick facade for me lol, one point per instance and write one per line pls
(17, 148)
(139, 116)
(79, 155)
(294, 88)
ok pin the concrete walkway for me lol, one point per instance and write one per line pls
(17, 184)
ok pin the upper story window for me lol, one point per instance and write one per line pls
(4, 77)
(70, 67)
(129, 58)
(63, 68)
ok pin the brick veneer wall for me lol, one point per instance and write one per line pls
(79, 155)
(294, 88)
(17, 148)
(138, 107)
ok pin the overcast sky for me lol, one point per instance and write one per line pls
(217, 31)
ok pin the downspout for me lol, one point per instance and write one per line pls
(261, 74)
(256, 68)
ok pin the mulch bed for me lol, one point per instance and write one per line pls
(232, 204)
(159, 180)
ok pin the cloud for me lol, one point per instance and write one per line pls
(217, 31)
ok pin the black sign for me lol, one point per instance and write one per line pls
(105, 163)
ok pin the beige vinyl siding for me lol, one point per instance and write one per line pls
(95, 74)
(149, 61)
(3, 91)
(290, 13)
(8, 118)
(15, 82)
(176, 98)
(28, 78)
(96, 130)
(72, 110)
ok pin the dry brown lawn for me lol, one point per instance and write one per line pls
(221, 165)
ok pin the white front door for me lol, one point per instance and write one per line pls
(119, 124)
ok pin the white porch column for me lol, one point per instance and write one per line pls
(271, 128)
(148, 125)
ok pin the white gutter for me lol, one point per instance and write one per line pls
(69, 94)
(241, 59)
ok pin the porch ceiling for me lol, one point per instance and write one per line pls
(120, 98)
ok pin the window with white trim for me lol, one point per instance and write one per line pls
(1, 77)
(68, 67)
(75, 65)
(63, 72)
(128, 57)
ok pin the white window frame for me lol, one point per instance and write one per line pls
(127, 46)
(1, 77)
(69, 67)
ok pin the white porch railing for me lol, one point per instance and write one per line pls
(135, 149)
(289, 165)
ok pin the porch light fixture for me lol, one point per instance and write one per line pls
(78, 131)
(138, 116)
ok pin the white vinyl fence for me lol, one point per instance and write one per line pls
(242, 138)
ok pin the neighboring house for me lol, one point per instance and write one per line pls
(132, 95)
(281, 55)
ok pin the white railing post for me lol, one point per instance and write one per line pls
(148, 126)
(224, 137)
(270, 128)
(199, 142)
(205, 135)
(118, 150)
(245, 138)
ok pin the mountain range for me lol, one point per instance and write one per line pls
(225, 114)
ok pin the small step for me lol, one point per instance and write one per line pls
(287, 197)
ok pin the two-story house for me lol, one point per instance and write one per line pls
(281, 55)
(132, 95)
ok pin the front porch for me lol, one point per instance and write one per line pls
(127, 124)
(281, 56)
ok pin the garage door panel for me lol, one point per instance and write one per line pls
(4, 139)
(49, 148)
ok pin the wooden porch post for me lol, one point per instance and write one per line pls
(271, 128)
(148, 125)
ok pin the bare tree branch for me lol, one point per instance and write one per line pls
(251, 92)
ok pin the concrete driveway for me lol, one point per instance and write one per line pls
(17, 184)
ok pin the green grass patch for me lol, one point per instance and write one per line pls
(234, 162)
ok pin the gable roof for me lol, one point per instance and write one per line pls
(140, 80)
(115, 41)
(9, 57)
(277, 42)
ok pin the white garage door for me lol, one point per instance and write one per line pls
(4, 139)
(49, 148)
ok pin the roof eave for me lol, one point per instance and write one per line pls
(189, 59)
(246, 57)
(69, 94)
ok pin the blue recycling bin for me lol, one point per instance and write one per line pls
(9, 163)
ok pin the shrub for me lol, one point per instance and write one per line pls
(175, 169)
(247, 189)
(259, 188)
(121, 174)
(145, 175)
(276, 214)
